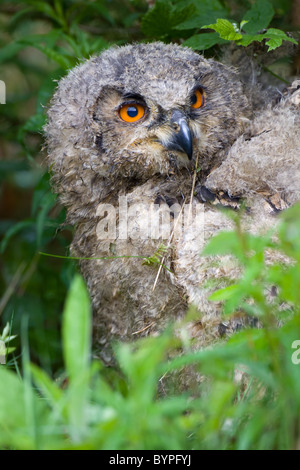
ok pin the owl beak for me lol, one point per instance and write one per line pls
(182, 138)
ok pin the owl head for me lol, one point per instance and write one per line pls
(142, 110)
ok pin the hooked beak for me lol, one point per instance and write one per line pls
(182, 138)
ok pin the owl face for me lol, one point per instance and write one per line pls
(137, 130)
(147, 109)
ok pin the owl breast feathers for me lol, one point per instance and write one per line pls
(129, 134)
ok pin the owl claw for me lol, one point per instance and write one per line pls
(217, 199)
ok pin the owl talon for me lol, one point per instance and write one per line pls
(217, 199)
(204, 194)
(163, 199)
(276, 203)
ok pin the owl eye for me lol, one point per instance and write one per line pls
(197, 98)
(132, 112)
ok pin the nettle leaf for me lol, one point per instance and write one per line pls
(160, 20)
(249, 38)
(226, 29)
(276, 36)
(273, 37)
(231, 32)
(195, 22)
(157, 20)
(207, 11)
(258, 17)
(204, 5)
(181, 14)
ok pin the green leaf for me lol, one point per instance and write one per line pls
(12, 407)
(41, 189)
(258, 17)
(9, 51)
(16, 228)
(242, 23)
(46, 9)
(64, 60)
(76, 329)
(47, 387)
(276, 36)
(5, 331)
(289, 232)
(226, 29)
(273, 37)
(14, 426)
(249, 38)
(76, 332)
(48, 202)
(158, 20)
(82, 45)
(288, 281)
(44, 94)
(201, 42)
(206, 11)
(197, 22)
(18, 16)
(35, 123)
(225, 293)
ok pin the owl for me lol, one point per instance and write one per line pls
(141, 141)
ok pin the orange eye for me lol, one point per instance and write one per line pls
(197, 98)
(131, 112)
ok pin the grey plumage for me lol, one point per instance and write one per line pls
(96, 157)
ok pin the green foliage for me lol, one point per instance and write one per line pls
(164, 17)
(231, 32)
(171, 19)
(249, 399)
(257, 275)
(258, 17)
(5, 338)
(254, 20)
(158, 256)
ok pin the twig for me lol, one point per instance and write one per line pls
(168, 245)
(188, 220)
(12, 286)
(192, 192)
(143, 329)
